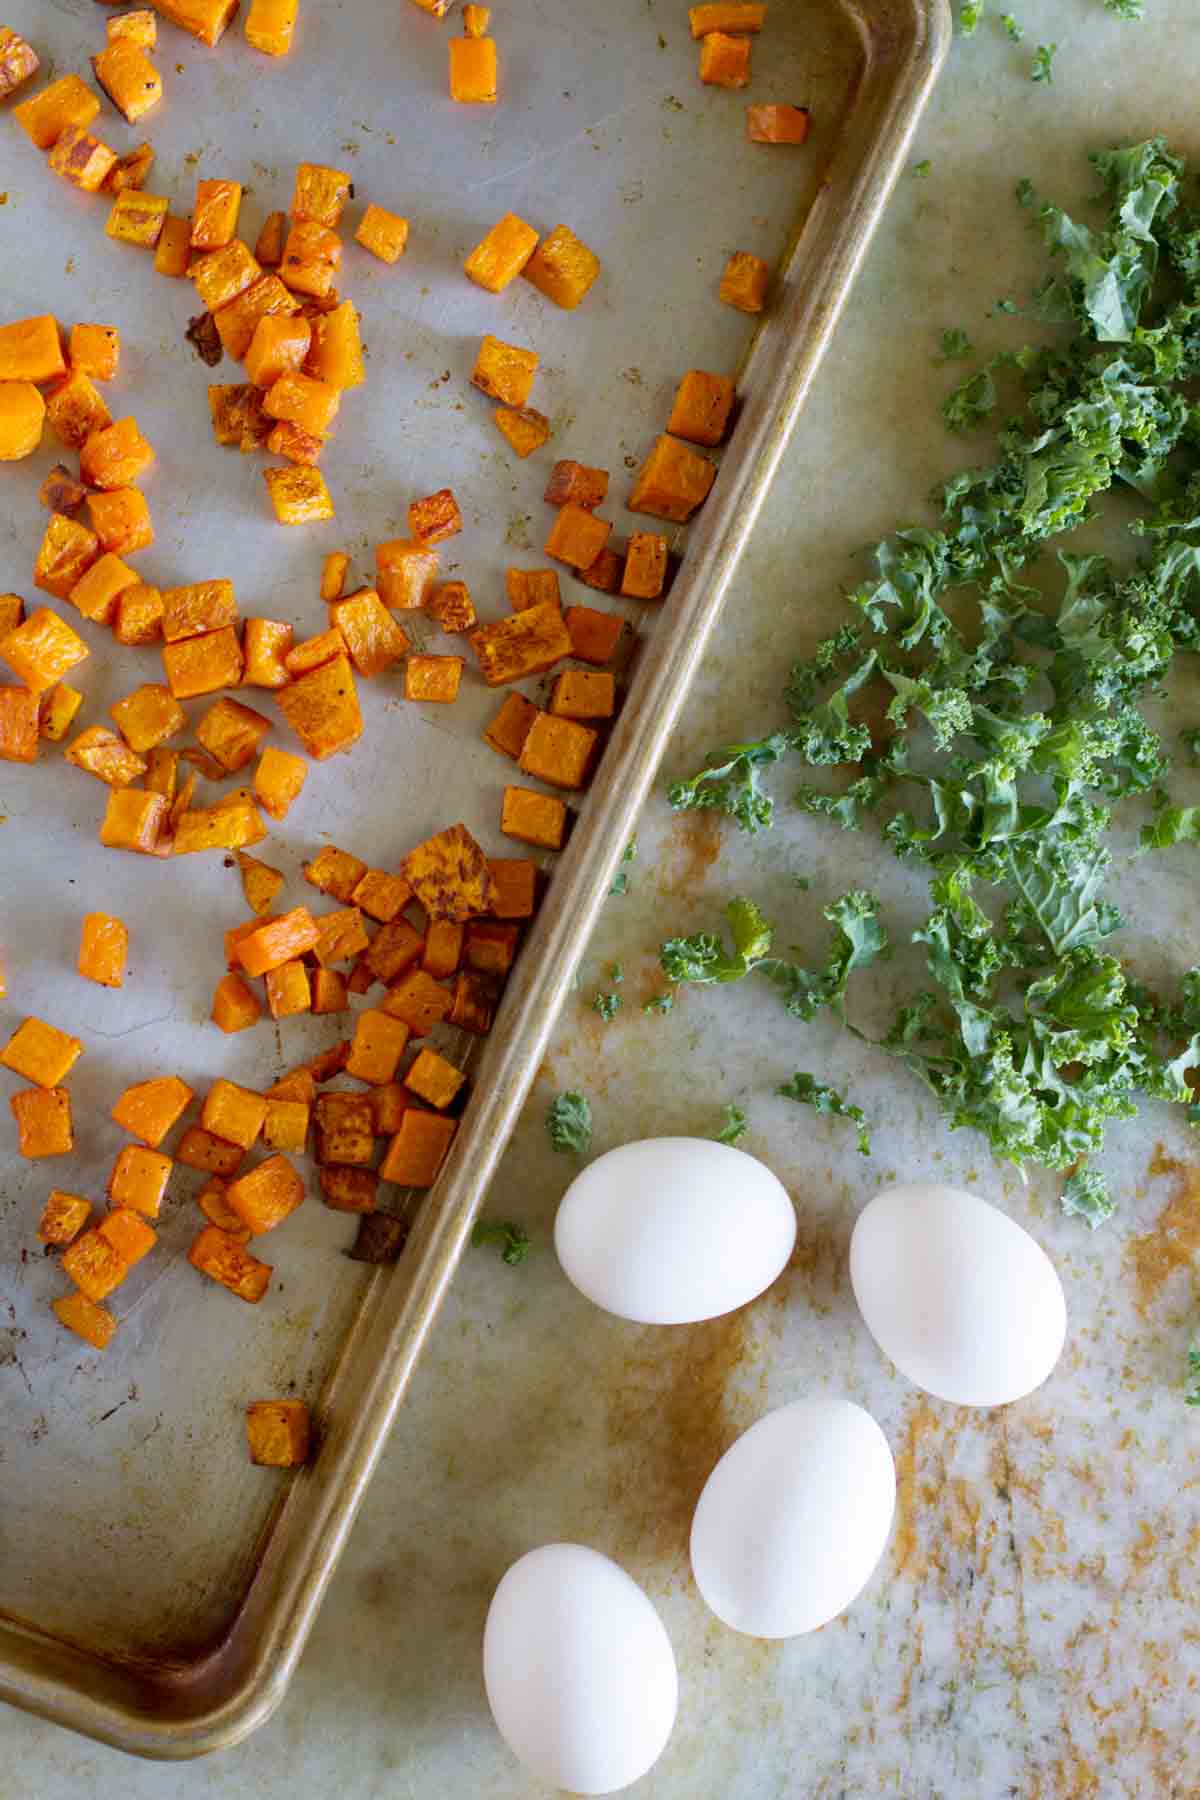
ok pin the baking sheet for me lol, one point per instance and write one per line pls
(139, 1456)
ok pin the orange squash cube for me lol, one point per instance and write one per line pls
(673, 481)
(128, 1234)
(233, 1113)
(199, 1149)
(103, 949)
(278, 347)
(139, 1179)
(18, 61)
(394, 948)
(500, 257)
(329, 993)
(476, 20)
(434, 1079)
(277, 1430)
(128, 77)
(594, 635)
(443, 947)
(63, 1217)
(298, 445)
(345, 1129)
(270, 24)
(93, 1323)
(278, 781)
(237, 416)
(383, 233)
(533, 818)
(405, 573)
(232, 733)
(702, 405)
(267, 644)
(511, 725)
(562, 267)
(558, 751)
(778, 124)
(67, 552)
(368, 631)
(415, 1155)
(527, 643)
(320, 194)
(202, 665)
(727, 16)
(532, 587)
(298, 495)
(583, 694)
(745, 282)
(418, 1000)
(149, 1109)
(452, 607)
(448, 874)
(260, 883)
(389, 1103)
(30, 349)
(312, 405)
(75, 408)
(504, 371)
(336, 355)
(724, 60)
(61, 493)
(19, 725)
(268, 247)
(515, 882)
(277, 941)
(377, 1047)
(140, 28)
(94, 1265)
(133, 820)
(265, 298)
(434, 678)
(100, 752)
(116, 456)
(288, 991)
(221, 275)
(43, 1117)
(286, 1125)
(205, 19)
(435, 518)
(95, 350)
(473, 79)
(211, 1201)
(95, 594)
(220, 1256)
(474, 1003)
(235, 1007)
(312, 256)
(524, 428)
(605, 573)
(121, 520)
(162, 772)
(335, 872)
(342, 936)
(645, 572)
(577, 536)
(215, 214)
(82, 159)
(12, 611)
(56, 712)
(314, 651)
(173, 252)
(349, 1190)
(148, 716)
(322, 709)
(41, 1053)
(42, 650)
(575, 483)
(333, 575)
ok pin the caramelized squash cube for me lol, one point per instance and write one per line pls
(433, 678)
(56, 712)
(345, 1129)
(532, 587)
(43, 1117)
(202, 665)
(673, 481)
(22, 417)
(265, 1196)
(394, 948)
(476, 20)
(215, 214)
(19, 725)
(594, 635)
(435, 518)
(322, 709)
(237, 416)
(30, 349)
(268, 248)
(42, 650)
(474, 1003)
(95, 350)
(558, 751)
(103, 949)
(533, 818)
(511, 725)
(211, 1201)
(349, 1190)
(288, 991)
(383, 233)
(562, 267)
(260, 883)
(605, 573)
(233, 1113)
(75, 408)
(727, 16)
(221, 275)
(524, 428)
(329, 993)
(452, 607)
(406, 573)
(67, 552)
(128, 1234)
(320, 194)
(286, 1125)
(515, 879)
(121, 520)
(449, 876)
(162, 772)
(41, 1053)
(133, 820)
(776, 124)
(95, 594)
(205, 19)
(645, 572)
(270, 24)
(232, 733)
(369, 632)
(18, 61)
(94, 1265)
(336, 354)
(335, 872)
(389, 1103)
(702, 407)
(341, 936)
(377, 1046)
(577, 536)
(140, 28)
(500, 257)
(418, 1000)
(473, 77)
(312, 256)
(116, 456)
(583, 694)
(148, 716)
(298, 495)
(278, 781)
(235, 1007)
(267, 644)
(93, 1323)
(220, 1256)
(443, 947)
(504, 371)
(527, 643)
(278, 346)
(576, 484)
(724, 60)
(139, 1179)
(59, 493)
(83, 160)
(100, 752)
(277, 1431)
(199, 1149)
(302, 401)
(63, 1217)
(173, 252)
(149, 1109)
(298, 445)
(333, 575)
(129, 79)
(415, 1155)
(236, 324)
(434, 1079)
(745, 282)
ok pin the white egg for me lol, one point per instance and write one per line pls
(957, 1295)
(579, 1670)
(794, 1518)
(672, 1230)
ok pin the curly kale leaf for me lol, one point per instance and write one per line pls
(730, 783)
(569, 1122)
(811, 1092)
(1085, 1195)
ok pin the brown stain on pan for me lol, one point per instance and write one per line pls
(1174, 1240)
(689, 850)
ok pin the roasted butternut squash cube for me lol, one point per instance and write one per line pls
(393, 949)
(724, 60)
(162, 772)
(116, 456)
(202, 665)
(65, 105)
(727, 15)
(83, 160)
(128, 1234)
(335, 872)
(140, 28)
(265, 298)
(205, 19)
(558, 751)
(298, 398)
(43, 1117)
(702, 406)
(491, 948)
(278, 347)
(235, 1007)
(435, 518)
(434, 1079)
(745, 282)
(149, 1109)
(524, 428)
(418, 1000)
(74, 409)
(433, 678)
(500, 257)
(510, 727)
(583, 694)
(100, 752)
(60, 493)
(237, 416)
(42, 650)
(148, 716)
(504, 371)
(515, 879)
(232, 733)
(41, 1053)
(405, 573)
(221, 275)
(673, 481)
(312, 256)
(270, 24)
(95, 350)
(12, 612)
(95, 594)
(278, 781)
(775, 124)
(20, 725)
(277, 1430)
(605, 573)
(260, 883)
(349, 1190)
(594, 635)
(320, 194)
(322, 709)
(266, 1195)
(133, 820)
(533, 818)
(345, 1130)
(473, 76)
(474, 1005)
(298, 495)
(577, 536)
(121, 520)
(139, 1179)
(452, 607)
(286, 1125)
(56, 712)
(93, 1323)
(129, 79)
(130, 171)
(329, 992)
(30, 349)
(368, 631)
(298, 445)
(103, 949)
(449, 876)
(476, 20)
(233, 1113)
(68, 550)
(94, 1265)
(215, 214)
(360, 979)
(532, 587)
(526, 644)
(220, 1256)
(199, 1149)
(333, 575)
(389, 1103)
(268, 247)
(277, 941)
(376, 1048)
(18, 61)
(443, 947)
(211, 1201)
(415, 1155)
(336, 354)
(341, 936)
(562, 267)
(63, 1217)
(383, 233)
(267, 644)
(230, 824)
(645, 572)
(173, 252)
(576, 484)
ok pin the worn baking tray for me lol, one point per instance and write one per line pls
(156, 1591)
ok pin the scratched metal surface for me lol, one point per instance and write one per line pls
(1033, 1629)
(140, 1454)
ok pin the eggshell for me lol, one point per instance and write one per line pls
(672, 1230)
(794, 1518)
(957, 1295)
(579, 1671)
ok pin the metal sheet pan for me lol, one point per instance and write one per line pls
(155, 1590)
